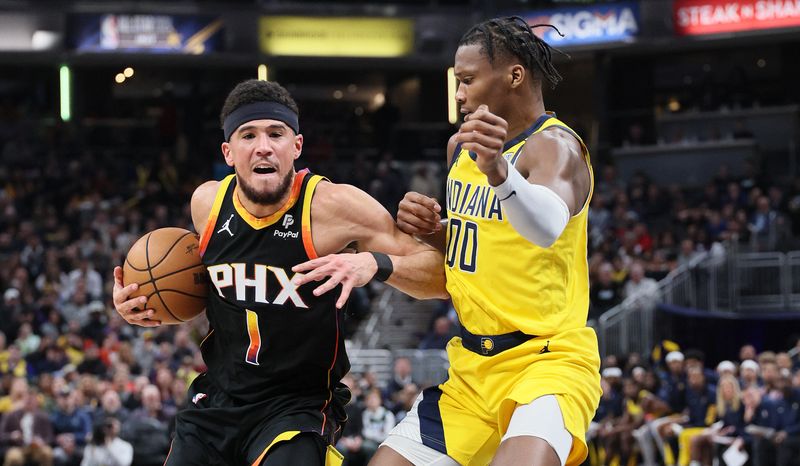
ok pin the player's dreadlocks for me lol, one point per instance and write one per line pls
(513, 36)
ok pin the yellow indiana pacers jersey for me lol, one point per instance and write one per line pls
(499, 281)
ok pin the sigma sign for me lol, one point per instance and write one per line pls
(589, 25)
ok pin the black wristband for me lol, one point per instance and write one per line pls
(385, 266)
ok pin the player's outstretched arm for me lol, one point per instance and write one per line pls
(343, 214)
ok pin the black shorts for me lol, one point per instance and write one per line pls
(216, 429)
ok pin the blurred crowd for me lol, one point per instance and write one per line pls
(640, 231)
(673, 408)
(79, 386)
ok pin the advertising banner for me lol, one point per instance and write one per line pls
(190, 34)
(696, 17)
(591, 24)
(336, 37)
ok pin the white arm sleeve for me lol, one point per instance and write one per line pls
(535, 211)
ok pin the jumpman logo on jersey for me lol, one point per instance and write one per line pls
(546, 348)
(226, 226)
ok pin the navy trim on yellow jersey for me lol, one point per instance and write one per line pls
(508, 145)
(513, 160)
(524, 135)
(569, 130)
(456, 153)
(431, 428)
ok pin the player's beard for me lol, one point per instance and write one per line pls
(269, 197)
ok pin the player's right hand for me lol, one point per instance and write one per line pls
(131, 309)
(418, 214)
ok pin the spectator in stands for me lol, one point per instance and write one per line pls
(10, 309)
(784, 361)
(351, 442)
(49, 358)
(771, 380)
(610, 408)
(106, 448)
(600, 219)
(91, 363)
(696, 359)
(180, 395)
(604, 293)
(66, 452)
(424, 181)
(726, 368)
(765, 356)
(405, 400)
(674, 378)
(27, 341)
(377, 422)
(148, 430)
(632, 418)
(761, 414)
(644, 290)
(86, 274)
(438, 337)
(183, 347)
(95, 328)
(387, 186)
(787, 438)
(401, 377)
(748, 374)
(729, 411)
(748, 352)
(69, 419)
(110, 407)
(186, 371)
(76, 309)
(764, 224)
(15, 399)
(27, 433)
(700, 398)
(54, 326)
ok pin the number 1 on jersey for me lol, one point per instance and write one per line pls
(255, 338)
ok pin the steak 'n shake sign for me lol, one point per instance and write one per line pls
(696, 17)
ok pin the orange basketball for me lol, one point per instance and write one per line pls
(166, 264)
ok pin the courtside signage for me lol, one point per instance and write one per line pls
(696, 17)
(336, 37)
(617, 22)
(190, 34)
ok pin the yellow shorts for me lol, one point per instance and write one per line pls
(467, 416)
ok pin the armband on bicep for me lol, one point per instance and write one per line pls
(535, 211)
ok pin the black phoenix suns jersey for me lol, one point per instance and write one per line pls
(268, 338)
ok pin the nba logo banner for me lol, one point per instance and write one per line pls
(145, 33)
(697, 17)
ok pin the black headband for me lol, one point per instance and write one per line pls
(260, 111)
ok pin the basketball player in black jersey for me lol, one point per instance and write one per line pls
(275, 351)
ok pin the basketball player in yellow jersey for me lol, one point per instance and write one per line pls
(524, 379)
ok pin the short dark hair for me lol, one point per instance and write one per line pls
(513, 37)
(254, 90)
(695, 354)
